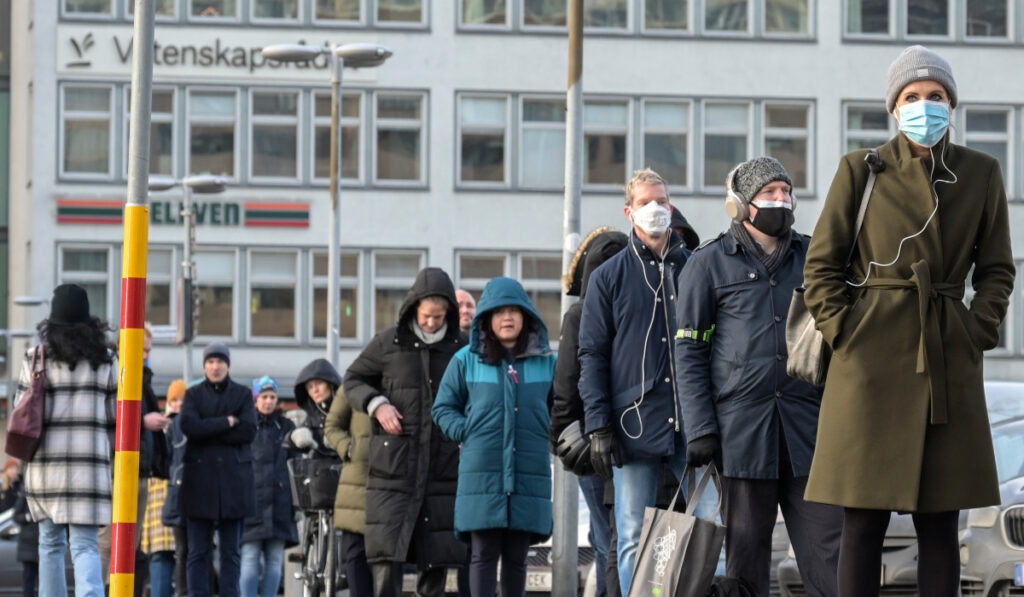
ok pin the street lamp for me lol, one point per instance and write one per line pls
(354, 55)
(203, 184)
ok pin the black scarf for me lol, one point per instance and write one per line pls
(771, 262)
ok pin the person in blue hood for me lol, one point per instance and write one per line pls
(495, 399)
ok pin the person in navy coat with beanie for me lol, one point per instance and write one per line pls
(495, 399)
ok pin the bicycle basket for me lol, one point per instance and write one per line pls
(314, 482)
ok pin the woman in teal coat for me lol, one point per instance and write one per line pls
(495, 399)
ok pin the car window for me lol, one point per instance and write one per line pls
(1008, 441)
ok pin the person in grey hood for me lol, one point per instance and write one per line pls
(410, 490)
(314, 391)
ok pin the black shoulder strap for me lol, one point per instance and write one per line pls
(875, 165)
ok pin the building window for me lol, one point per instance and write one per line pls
(274, 135)
(272, 281)
(474, 270)
(541, 276)
(726, 140)
(544, 13)
(215, 278)
(351, 140)
(90, 268)
(278, 10)
(987, 19)
(787, 138)
(666, 140)
(867, 17)
(606, 14)
(786, 17)
(399, 138)
(212, 119)
(393, 275)
(928, 17)
(988, 130)
(164, 9)
(89, 7)
(542, 157)
(484, 13)
(349, 11)
(348, 289)
(213, 9)
(483, 140)
(161, 133)
(160, 286)
(667, 15)
(605, 128)
(727, 16)
(401, 12)
(867, 126)
(87, 134)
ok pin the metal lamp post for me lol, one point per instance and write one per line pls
(354, 55)
(203, 184)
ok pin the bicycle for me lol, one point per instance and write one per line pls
(314, 482)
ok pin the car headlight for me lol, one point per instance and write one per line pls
(965, 555)
(983, 517)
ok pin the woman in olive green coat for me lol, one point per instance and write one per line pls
(348, 432)
(903, 423)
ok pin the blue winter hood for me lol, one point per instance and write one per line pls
(504, 292)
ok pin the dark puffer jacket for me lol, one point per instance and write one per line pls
(274, 516)
(410, 493)
(316, 414)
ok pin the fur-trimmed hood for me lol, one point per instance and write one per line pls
(595, 249)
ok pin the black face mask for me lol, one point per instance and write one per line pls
(773, 221)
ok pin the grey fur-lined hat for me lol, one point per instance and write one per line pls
(918, 63)
(751, 176)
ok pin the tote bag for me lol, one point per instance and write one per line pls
(25, 427)
(678, 552)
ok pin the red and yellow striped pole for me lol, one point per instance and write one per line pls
(129, 401)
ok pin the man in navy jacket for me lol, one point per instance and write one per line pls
(627, 379)
(740, 408)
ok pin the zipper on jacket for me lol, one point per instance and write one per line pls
(512, 372)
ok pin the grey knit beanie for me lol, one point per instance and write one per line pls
(751, 176)
(918, 63)
(217, 349)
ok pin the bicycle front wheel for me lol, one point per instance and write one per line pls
(329, 569)
(314, 558)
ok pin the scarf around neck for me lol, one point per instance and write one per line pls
(428, 338)
(771, 262)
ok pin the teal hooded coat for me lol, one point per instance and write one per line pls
(500, 414)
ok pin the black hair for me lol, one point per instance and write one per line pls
(494, 350)
(71, 343)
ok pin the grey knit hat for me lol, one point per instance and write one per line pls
(918, 63)
(217, 349)
(751, 176)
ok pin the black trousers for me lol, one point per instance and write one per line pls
(360, 580)
(487, 548)
(749, 511)
(387, 580)
(180, 561)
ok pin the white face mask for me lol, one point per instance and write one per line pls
(652, 218)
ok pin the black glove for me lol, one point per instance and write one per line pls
(605, 452)
(703, 450)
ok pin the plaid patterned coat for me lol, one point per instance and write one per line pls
(69, 480)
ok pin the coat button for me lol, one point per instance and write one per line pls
(385, 444)
(515, 409)
(778, 319)
(774, 282)
(778, 394)
(751, 275)
(664, 340)
(671, 420)
(508, 493)
(779, 357)
(667, 380)
(657, 299)
(514, 449)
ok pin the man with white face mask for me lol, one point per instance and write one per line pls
(740, 408)
(627, 381)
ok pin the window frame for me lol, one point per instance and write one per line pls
(1011, 29)
(89, 16)
(345, 282)
(362, 22)
(962, 135)
(275, 281)
(87, 116)
(478, 284)
(506, 182)
(891, 17)
(189, 121)
(762, 25)
(401, 124)
(460, 25)
(859, 134)
(690, 31)
(389, 282)
(718, 188)
(609, 130)
(690, 104)
(343, 121)
(275, 120)
(175, 107)
(235, 19)
(199, 283)
(767, 132)
(522, 126)
(162, 278)
(106, 277)
(714, 33)
(300, 17)
(952, 10)
(424, 22)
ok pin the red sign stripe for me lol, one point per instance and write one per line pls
(122, 561)
(133, 301)
(277, 223)
(88, 220)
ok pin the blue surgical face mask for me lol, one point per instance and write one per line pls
(924, 121)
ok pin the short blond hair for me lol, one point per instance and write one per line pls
(645, 176)
(147, 329)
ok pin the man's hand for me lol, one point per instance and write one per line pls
(703, 450)
(389, 419)
(155, 422)
(605, 452)
(232, 420)
(303, 438)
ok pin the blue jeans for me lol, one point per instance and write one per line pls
(161, 572)
(200, 541)
(592, 487)
(271, 553)
(636, 488)
(85, 555)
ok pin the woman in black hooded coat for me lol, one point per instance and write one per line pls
(410, 492)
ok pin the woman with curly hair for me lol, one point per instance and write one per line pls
(68, 479)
